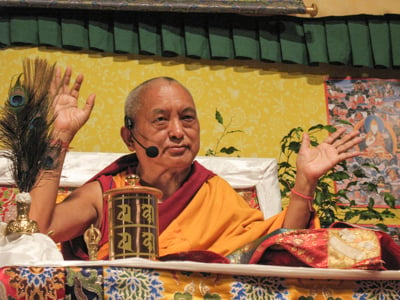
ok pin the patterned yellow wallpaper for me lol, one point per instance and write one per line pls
(257, 99)
(263, 100)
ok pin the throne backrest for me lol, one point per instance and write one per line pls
(254, 178)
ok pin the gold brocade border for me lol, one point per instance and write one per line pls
(347, 248)
(116, 283)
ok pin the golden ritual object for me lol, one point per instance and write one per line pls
(22, 224)
(92, 237)
(133, 220)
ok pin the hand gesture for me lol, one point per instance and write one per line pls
(69, 118)
(313, 162)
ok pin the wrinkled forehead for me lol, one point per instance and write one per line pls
(163, 92)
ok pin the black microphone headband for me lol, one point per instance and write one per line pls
(151, 151)
(128, 122)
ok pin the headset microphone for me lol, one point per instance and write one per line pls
(151, 151)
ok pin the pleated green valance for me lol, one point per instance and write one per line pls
(370, 41)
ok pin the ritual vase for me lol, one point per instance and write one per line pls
(22, 224)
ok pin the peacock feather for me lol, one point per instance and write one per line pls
(25, 122)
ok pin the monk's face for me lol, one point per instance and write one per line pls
(167, 119)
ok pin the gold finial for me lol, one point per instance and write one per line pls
(92, 238)
(132, 179)
(312, 10)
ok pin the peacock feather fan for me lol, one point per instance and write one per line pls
(25, 122)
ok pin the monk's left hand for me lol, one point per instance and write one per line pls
(313, 162)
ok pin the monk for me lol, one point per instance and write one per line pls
(199, 211)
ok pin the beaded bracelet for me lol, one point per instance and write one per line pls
(308, 198)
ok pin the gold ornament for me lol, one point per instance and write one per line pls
(22, 224)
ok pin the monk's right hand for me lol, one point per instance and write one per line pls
(69, 118)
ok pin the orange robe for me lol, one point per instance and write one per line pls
(217, 219)
(205, 214)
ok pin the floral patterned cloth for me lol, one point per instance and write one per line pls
(108, 282)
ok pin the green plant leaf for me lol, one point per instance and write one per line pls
(210, 153)
(389, 199)
(345, 122)
(386, 213)
(228, 150)
(219, 117)
(284, 164)
(369, 165)
(294, 146)
(317, 127)
(350, 184)
(382, 227)
(369, 186)
(339, 175)
(371, 203)
(233, 131)
(359, 173)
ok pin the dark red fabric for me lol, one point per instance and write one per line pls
(167, 211)
(282, 248)
(197, 256)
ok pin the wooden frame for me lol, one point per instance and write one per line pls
(247, 7)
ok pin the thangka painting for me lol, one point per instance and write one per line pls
(373, 107)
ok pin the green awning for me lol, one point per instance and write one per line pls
(368, 41)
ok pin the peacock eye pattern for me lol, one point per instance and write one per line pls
(17, 98)
(26, 123)
(48, 163)
(37, 123)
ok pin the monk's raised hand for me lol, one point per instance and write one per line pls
(313, 162)
(69, 118)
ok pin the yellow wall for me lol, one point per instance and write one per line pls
(264, 100)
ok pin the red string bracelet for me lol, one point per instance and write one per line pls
(308, 198)
(301, 195)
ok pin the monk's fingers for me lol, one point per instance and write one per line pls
(334, 137)
(55, 83)
(343, 139)
(348, 142)
(343, 142)
(65, 81)
(348, 154)
(77, 86)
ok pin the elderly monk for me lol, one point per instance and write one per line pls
(199, 211)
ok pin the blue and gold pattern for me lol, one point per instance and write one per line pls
(34, 282)
(104, 282)
(252, 287)
(132, 283)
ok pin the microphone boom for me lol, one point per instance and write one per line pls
(151, 151)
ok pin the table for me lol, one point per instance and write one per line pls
(136, 278)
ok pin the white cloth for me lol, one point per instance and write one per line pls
(27, 249)
(240, 172)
